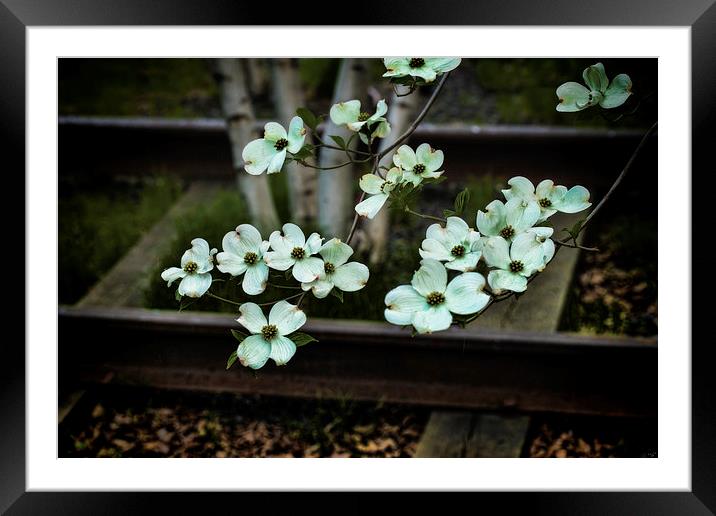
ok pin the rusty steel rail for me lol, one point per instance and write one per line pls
(551, 372)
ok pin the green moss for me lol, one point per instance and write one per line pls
(96, 227)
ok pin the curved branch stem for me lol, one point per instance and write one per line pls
(424, 216)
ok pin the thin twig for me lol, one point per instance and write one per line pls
(424, 216)
(284, 299)
(211, 294)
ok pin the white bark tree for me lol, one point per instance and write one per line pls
(239, 115)
(302, 181)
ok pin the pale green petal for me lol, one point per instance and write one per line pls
(253, 352)
(544, 189)
(282, 349)
(255, 279)
(572, 97)
(320, 287)
(276, 162)
(442, 64)
(595, 77)
(435, 318)
(465, 263)
(194, 285)
(430, 277)
(457, 229)
(521, 214)
(231, 263)
(251, 317)
(351, 276)
(576, 200)
(371, 206)
(371, 183)
(307, 269)
(431, 248)
(172, 274)
(345, 112)
(440, 234)
(296, 135)
(431, 158)
(492, 220)
(273, 132)
(527, 248)
(380, 109)
(406, 158)
(501, 280)
(246, 239)
(401, 303)
(424, 72)
(313, 244)
(356, 126)
(381, 130)
(543, 232)
(396, 66)
(257, 155)
(278, 261)
(336, 252)
(286, 317)
(617, 93)
(497, 252)
(294, 234)
(520, 187)
(464, 294)
(280, 243)
(411, 177)
(548, 250)
(394, 175)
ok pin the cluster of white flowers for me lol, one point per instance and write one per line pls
(507, 238)
(411, 167)
(599, 91)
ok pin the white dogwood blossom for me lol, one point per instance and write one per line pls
(456, 244)
(507, 220)
(291, 249)
(575, 97)
(550, 197)
(196, 264)
(349, 114)
(269, 152)
(348, 277)
(417, 165)
(425, 68)
(380, 190)
(514, 262)
(243, 253)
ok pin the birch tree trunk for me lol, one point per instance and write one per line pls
(335, 187)
(401, 112)
(239, 115)
(302, 181)
(259, 76)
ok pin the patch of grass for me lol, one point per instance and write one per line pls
(97, 226)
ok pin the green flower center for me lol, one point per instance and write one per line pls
(458, 251)
(516, 266)
(269, 331)
(435, 298)
(507, 232)
(281, 144)
(329, 268)
(416, 62)
(190, 267)
(545, 203)
(251, 258)
(363, 116)
(298, 253)
(419, 168)
(384, 185)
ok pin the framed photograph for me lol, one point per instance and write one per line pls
(248, 242)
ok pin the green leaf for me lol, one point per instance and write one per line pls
(301, 339)
(364, 138)
(184, 304)
(238, 335)
(177, 295)
(339, 140)
(448, 213)
(308, 118)
(337, 293)
(461, 201)
(231, 360)
(288, 274)
(434, 180)
(575, 229)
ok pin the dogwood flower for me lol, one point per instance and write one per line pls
(243, 253)
(269, 152)
(380, 190)
(429, 301)
(507, 220)
(575, 97)
(425, 68)
(291, 249)
(542, 235)
(194, 272)
(349, 114)
(348, 277)
(456, 244)
(514, 263)
(550, 197)
(417, 165)
(269, 338)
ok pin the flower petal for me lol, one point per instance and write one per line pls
(497, 252)
(195, 285)
(527, 248)
(276, 162)
(246, 239)
(442, 64)
(431, 248)
(430, 277)
(282, 349)
(520, 187)
(351, 276)
(296, 135)
(279, 261)
(522, 214)
(371, 183)
(307, 269)
(320, 287)
(294, 234)
(596, 78)
(251, 317)
(345, 112)
(500, 280)
(336, 252)
(257, 156)
(572, 97)
(431, 158)
(424, 72)
(253, 352)
(231, 263)
(493, 219)
(172, 274)
(401, 303)
(381, 130)
(380, 109)
(406, 158)
(274, 131)
(286, 317)
(313, 244)
(371, 205)
(435, 318)
(465, 263)
(464, 294)
(255, 279)
(617, 93)
(576, 200)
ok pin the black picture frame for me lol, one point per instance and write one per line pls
(700, 15)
